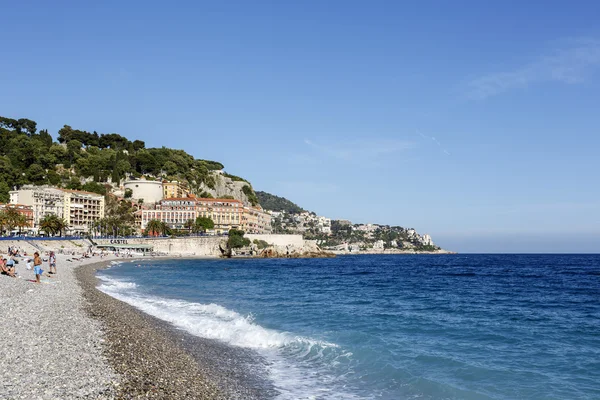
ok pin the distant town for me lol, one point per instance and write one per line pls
(90, 184)
(160, 208)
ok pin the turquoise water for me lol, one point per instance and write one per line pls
(391, 327)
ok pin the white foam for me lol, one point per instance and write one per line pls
(110, 285)
(292, 358)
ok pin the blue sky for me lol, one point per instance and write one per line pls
(475, 122)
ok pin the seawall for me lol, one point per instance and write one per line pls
(184, 246)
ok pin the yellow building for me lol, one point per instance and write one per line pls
(81, 209)
(255, 220)
(225, 213)
(174, 189)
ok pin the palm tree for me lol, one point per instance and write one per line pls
(3, 220)
(48, 225)
(155, 227)
(52, 224)
(61, 225)
(13, 217)
(189, 225)
(21, 222)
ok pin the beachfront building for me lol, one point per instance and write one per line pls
(255, 220)
(78, 208)
(173, 212)
(22, 209)
(147, 190)
(175, 189)
(43, 200)
(81, 210)
(225, 213)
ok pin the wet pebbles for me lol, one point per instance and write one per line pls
(68, 340)
(155, 360)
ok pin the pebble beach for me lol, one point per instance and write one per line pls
(64, 339)
(51, 349)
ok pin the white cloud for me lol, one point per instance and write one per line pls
(571, 63)
(435, 141)
(363, 149)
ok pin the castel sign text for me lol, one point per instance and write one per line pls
(118, 241)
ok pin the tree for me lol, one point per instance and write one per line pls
(36, 174)
(94, 187)
(12, 218)
(236, 239)
(190, 225)
(249, 192)
(4, 192)
(170, 168)
(3, 220)
(74, 184)
(20, 222)
(53, 224)
(128, 193)
(203, 224)
(156, 227)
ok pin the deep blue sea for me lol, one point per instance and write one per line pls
(390, 327)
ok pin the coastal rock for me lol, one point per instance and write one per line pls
(309, 251)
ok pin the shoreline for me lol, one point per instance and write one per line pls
(156, 360)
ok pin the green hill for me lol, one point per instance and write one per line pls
(29, 156)
(275, 203)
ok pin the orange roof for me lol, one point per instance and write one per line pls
(221, 200)
(15, 205)
(194, 198)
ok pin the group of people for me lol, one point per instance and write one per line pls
(8, 266)
(14, 251)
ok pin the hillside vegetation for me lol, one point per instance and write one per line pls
(275, 203)
(89, 160)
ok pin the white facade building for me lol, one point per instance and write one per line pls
(378, 245)
(149, 191)
(45, 200)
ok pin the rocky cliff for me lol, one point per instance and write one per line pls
(226, 186)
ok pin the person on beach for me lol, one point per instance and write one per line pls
(52, 263)
(37, 262)
(7, 269)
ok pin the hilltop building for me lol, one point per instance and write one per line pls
(148, 191)
(175, 189)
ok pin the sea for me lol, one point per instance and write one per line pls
(457, 326)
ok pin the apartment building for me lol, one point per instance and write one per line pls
(225, 213)
(81, 210)
(43, 200)
(78, 208)
(255, 220)
(174, 189)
